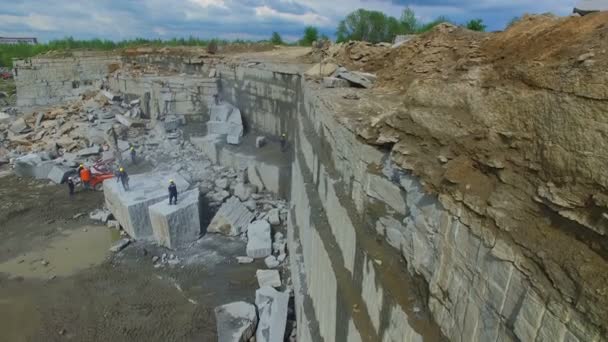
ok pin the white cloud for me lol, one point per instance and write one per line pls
(33, 21)
(308, 18)
(209, 3)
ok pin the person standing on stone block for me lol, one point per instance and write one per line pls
(71, 186)
(133, 154)
(172, 192)
(124, 178)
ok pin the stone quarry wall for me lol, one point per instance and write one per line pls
(44, 81)
(186, 96)
(371, 251)
(345, 194)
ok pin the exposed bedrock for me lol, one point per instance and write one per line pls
(381, 251)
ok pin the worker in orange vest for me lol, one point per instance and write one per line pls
(85, 176)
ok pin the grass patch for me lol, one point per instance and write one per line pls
(8, 52)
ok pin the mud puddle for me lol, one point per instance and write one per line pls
(67, 253)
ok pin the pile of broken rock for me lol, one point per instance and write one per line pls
(45, 144)
(335, 76)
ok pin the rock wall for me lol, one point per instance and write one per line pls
(51, 80)
(346, 194)
(374, 256)
(185, 96)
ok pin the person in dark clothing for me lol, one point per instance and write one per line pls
(124, 178)
(283, 142)
(172, 192)
(71, 186)
(133, 155)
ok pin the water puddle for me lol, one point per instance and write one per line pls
(72, 251)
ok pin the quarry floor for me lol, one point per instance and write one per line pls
(84, 293)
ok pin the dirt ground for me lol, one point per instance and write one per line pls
(86, 294)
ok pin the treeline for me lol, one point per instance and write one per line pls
(364, 25)
(376, 27)
(8, 52)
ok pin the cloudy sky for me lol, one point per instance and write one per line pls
(245, 19)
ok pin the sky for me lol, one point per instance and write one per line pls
(231, 19)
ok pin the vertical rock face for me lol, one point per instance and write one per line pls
(471, 245)
(482, 286)
(236, 322)
(176, 225)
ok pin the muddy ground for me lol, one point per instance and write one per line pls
(86, 294)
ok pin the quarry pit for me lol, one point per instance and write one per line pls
(451, 188)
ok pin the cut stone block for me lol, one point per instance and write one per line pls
(268, 278)
(272, 308)
(32, 165)
(271, 261)
(176, 225)
(120, 245)
(236, 322)
(334, 82)
(274, 217)
(89, 151)
(356, 78)
(58, 173)
(244, 191)
(234, 139)
(260, 242)
(260, 142)
(110, 96)
(232, 219)
(130, 208)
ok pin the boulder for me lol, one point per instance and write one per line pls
(271, 261)
(334, 82)
(274, 217)
(232, 219)
(91, 151)
(101, 215)
(272, 308)
(259, 244)
(236, 322)
(120, 245)
(321, 70)
(268, 278)
(356, 78)
(110, 96)
(58, 173)
(244, 191)
(260, 142)
(32, 165)
(18, 126)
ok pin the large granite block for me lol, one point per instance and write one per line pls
(236, 322)
(130, 208)
(232, 219)
(272, 308)
(176, 225)
(259, 244)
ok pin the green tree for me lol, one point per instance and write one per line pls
(370, 26)
(409, 23)
(276, 39)
(476, 25)
(311, 34)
